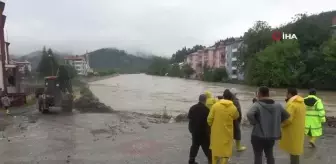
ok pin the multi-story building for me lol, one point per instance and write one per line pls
(80, 63)
(212, 57)
(231, 51)
(224, 55)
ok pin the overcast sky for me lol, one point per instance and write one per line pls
(157, 26)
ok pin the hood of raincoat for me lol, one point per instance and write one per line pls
(208, 94)
(210, 100)
(225, 102)
(296, 98)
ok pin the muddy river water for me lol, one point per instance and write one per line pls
(152, 94)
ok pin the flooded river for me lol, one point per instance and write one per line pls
(152, 94)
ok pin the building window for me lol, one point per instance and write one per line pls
(234, 63)
(234, 72)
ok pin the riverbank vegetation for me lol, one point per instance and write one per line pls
(164, 67)
(309, 61)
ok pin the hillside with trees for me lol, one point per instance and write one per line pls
(119, 60)
(309, 61)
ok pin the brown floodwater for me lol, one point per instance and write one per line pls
(153, 94)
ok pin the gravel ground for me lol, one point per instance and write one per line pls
(118, 138)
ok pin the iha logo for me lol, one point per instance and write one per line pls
(277, 36)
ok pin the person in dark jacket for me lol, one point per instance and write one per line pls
(199, 129)
(236, 123)
(266, 117)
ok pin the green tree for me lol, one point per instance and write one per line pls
(255, 39)
(175, 70)
(278, 65)
(159, 66)
(48, 65)
(187, 70)
(219, 74)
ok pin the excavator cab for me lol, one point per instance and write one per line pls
(52, 95)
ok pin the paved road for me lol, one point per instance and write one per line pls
(119, 139)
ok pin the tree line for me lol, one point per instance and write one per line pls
(50, 66)
(309, 61)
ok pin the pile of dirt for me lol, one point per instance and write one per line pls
(182, 117)
(331, 121)
(88, 103)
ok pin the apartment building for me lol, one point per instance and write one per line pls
(80, 63)
(231, 51)
(213, 57)
(224, 55)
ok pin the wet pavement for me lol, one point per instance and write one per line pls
(118, 138)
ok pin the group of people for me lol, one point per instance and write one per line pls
(215, 125)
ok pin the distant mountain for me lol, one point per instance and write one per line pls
(123, 62)
(101, 59)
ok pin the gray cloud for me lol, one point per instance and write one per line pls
(155, 26)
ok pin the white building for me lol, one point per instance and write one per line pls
(231, 51)
(80, 63)
(22, 66)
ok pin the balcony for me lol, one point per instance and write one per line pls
(234, 50)
(234, 68)
(234, 59)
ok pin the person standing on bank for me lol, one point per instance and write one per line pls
(266, 117)
(315, 117)
(6, 102)
(221, 117)
(292, 139)
(199, 129)
(236, 123)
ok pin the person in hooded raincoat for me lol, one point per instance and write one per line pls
(293, 128)
(220, 119)
(210, 100)
(315, 116)
(236, 123)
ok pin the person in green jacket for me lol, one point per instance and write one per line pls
(315, 117)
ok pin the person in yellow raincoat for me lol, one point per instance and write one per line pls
(210, 100)
(220, 119)
(293, 128)
(315, 117)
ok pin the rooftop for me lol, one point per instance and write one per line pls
(74, 58)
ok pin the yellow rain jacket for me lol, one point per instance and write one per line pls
(220, 118)
(210, 100)
(293, 128)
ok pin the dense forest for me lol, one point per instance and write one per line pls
(309, 61)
